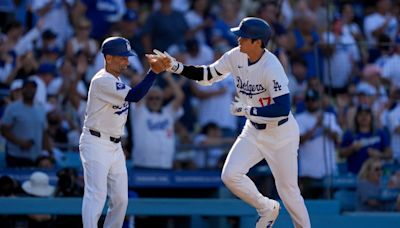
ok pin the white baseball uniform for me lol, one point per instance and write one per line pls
(101, 152)
(150, 127)
(257, 84)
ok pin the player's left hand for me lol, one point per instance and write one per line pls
(238, 108)
(158, 63)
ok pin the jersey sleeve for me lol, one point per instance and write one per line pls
(277, 82)
(221, 68)
(8, 116)
(111, 91)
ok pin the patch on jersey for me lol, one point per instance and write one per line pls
(276, 86)
(120, 85)
(254, 111)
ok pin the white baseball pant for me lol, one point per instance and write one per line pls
(104, 174)
(278, 146)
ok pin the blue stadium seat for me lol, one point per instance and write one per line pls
(347, 199)
(72, 160)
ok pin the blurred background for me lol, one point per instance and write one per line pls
(342, 59)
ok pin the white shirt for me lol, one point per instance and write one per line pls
(154, 137)
(317, 156)
(373, 21)
(256, 84)
(393, 123)
(342, 60)
(391, 70)
(107, 109)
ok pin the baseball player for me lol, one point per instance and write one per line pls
(100, 147)
(270, 132)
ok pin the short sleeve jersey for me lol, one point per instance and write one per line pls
(107, 109)
(256, 83)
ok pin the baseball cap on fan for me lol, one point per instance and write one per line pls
(117, 46)
(312, 95)
(130, 16)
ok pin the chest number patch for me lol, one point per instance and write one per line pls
(120, 85)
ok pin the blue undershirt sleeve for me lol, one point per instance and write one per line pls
(280, 107)
(138, 92)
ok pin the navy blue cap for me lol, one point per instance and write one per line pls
(29, 81)
(312, 95)
(47, 68)
(49, 34)
(117, 46)
(253, 28)
(130, 15)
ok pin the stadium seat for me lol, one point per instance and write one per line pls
(347, 199)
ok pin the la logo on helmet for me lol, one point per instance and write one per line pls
(128, 47)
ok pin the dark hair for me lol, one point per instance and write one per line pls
(262, 43)
(368, 110)
(206, 128)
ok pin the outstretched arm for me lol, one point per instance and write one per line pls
(204, 75)
(157, 65)
(138, 92)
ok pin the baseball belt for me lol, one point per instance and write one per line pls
(263, 126)
(98, 134)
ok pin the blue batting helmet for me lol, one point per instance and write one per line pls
(253, 28)
(117, 46)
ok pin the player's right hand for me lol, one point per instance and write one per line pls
(238, 108)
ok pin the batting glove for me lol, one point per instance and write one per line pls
(175, 67)
(238, 108)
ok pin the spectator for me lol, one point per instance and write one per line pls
(25, 66)
(130, 28)
(390, 70)
(341, 56)
(153, 128)
(38, 186)
(163, 28)
(81, 41)
(364, 142)
(200, 21)
(15, 91)
(45, 162)
(302, 42)
(381, 21)
(369, 186)
(211, 135)
(229, 17)
(393, 124)
(319, 135)
(24, 128)
(297, 80)
(54, 14)
(44, 76)
(6, 62)
(10, 188)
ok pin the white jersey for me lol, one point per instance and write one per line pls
(154, 136)
(317, 156)
(107, 109)
(258, 83)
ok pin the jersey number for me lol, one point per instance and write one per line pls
(265, 101)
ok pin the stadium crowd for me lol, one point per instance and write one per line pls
(342, 59)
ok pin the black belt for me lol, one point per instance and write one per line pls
(112, 139)
(263, 126)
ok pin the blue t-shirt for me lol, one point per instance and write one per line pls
(376, 140)
(28, 123)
